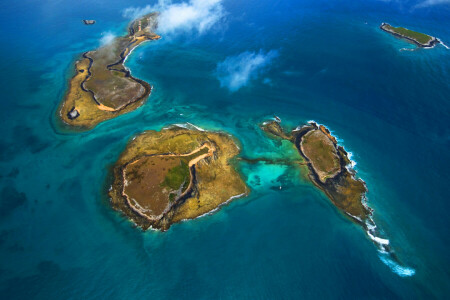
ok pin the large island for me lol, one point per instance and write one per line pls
(102, 87)
(420, 39)
(177, 173)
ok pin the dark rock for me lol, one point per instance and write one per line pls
(73, 114)
(89, 22)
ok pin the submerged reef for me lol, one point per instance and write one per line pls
(102, 87)
(164, 177)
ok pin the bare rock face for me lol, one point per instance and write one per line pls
(73, 114)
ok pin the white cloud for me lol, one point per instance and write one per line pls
(236, 71)
(107, 38)
(195, 16)
(428, 3)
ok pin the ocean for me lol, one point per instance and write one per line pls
(325, 61)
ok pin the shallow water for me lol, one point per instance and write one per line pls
(59, 238)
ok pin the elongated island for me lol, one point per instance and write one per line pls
(420, 39)
(177, 173)
(331, 171)
(328, 165)
(102, 87)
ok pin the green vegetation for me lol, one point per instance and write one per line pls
(419, 37)
(327, 167)
(176, 176)
(166, 192)
(180, 174)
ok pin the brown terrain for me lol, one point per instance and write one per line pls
(164, 177)
(102, 87)
(328, 165)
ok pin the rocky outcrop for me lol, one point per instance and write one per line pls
(73, 114)
(89, 22)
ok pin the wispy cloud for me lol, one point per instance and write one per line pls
(236, 71)
(107, 38)
(428, 3)
(195, 16)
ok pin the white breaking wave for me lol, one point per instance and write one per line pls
(188, 125)
(352, 162)
(396, 268)
(196, 127)
(407, 49)
(442, 43)
(378, 240)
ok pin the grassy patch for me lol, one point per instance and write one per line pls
(420, 37)
(176, 176)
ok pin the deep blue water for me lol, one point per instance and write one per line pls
(59, 238)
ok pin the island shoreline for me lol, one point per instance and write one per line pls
(431, 44)
(68, 110)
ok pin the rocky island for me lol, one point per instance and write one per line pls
(89, 22)
(102, 87)
(175, 174)
(329, 167)
(420, 39)
(331, 171)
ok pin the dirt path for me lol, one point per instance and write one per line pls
(192, 162)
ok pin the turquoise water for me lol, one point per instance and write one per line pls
(59, 238)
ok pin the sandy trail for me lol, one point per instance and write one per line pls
(140, 210)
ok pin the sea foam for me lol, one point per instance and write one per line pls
(442, 43)
(396, 268)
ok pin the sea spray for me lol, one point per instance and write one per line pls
(395, 267)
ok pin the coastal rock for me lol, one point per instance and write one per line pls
(73, 114)
(89, 22)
